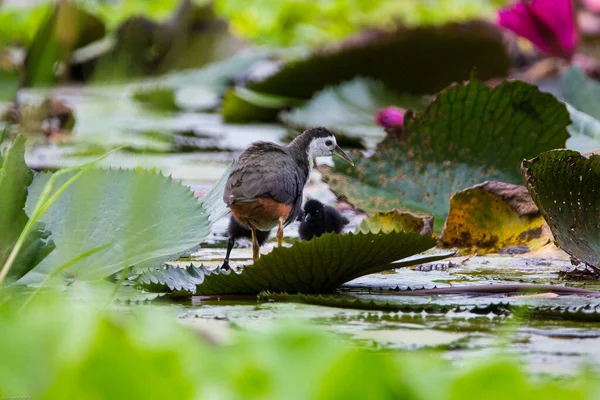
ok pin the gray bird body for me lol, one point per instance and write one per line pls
(265, 188)
(268, 170)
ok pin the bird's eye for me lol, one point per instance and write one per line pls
(328, 143)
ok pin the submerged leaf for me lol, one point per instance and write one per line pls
(397, 220)
(407, 61)
(469, 134)
(565, 186)
(316, 266)
(146, 216)
(491, 216)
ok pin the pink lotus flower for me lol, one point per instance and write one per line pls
(390, 117)
(548, 24)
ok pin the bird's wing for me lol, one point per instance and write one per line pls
(265, 170)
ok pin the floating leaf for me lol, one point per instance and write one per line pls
(491, 216)
(407, 61)
(469, 134)
(147, 217)
(397, 220)
(349, 108)
(564, 185)
(316, 266)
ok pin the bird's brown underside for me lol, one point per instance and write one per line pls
(262, 213)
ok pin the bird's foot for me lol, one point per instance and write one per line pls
(225, 266)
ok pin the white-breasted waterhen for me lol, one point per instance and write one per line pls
(265, 188)
(319, 219)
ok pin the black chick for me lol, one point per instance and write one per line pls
(319, 219)
(235, 231)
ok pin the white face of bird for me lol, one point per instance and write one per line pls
(326, 146)
(321, 147)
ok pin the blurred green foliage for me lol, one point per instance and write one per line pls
(58, 350)
(18, 25)
(301, 22)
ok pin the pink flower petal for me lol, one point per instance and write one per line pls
(548, 24)
(519, 19)
(559, 17)
(390, 117)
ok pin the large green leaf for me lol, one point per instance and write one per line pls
(565, 186)
(316, 266)
(469, 134)
(146, 216)
(349, 108)
(15, 177)
(407, 61)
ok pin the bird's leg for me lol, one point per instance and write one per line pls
(280, 233)
(255, 246)
(230, 244)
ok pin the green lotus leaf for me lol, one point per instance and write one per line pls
(406, 61)
(491, 216)
(15, 177)
(316, 266)
(146, 217)
(469, 134)
(564, 185)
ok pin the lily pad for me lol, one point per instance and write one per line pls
(493, 216)
(397, 220)
(469, 134)
(407, 61)
(317, 266)
(146, 217)
(564, 185)
(349, 108)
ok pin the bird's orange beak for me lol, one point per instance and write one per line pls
(339, 153)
